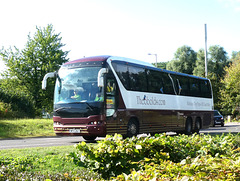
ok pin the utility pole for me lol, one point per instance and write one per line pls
(155, 57)
(206, 70)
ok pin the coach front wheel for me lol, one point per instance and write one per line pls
(132, 129)
(89, 138)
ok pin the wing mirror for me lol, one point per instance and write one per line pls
(101, 72)
(44, 81)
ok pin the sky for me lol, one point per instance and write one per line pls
(126, 28)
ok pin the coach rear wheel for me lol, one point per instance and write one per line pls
(188, 127)
(132, 129)
(197, 126)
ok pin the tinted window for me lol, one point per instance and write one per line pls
(181, 84)
(123, 74)
(155, 82)
(137, 78)
(205, 88)
(194, 87)
(184, 84)
(168, 85)
(188, 86)
(159, 82)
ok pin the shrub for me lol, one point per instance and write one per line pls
(15, 105)
(115, 155)
(199, 168)
(5, 110)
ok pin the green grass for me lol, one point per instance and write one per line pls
(19, 128)
(46, 159)
(41, 163)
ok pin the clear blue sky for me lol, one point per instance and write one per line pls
(128, 28)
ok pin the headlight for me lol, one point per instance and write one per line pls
(95, 122)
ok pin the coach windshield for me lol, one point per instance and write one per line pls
(77, 85)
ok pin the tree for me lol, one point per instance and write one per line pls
(230, 94)
(235, 56)
(199, 69)
(219, 58)
(42, 54)
(161, 65)
(184, 60)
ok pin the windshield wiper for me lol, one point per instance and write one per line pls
(89, 106)
(61, 108)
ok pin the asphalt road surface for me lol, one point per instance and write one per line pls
(60, 141)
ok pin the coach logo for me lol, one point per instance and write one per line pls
(150, 101)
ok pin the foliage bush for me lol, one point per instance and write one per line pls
(199, 168)
(114, 155)
(15, 105)
(5, 110)
(196, 157)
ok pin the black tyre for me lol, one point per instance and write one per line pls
(197, 126)
(133, 128)
(89, 138)
(188, 127)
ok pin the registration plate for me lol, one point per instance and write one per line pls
(74, 130)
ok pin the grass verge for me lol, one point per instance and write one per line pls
(19, 128)
(40, 164)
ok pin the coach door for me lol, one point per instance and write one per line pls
(111, 103)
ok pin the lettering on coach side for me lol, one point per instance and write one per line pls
(150, 101)
(198, 104)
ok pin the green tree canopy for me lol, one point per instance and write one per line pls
(184, 60)
(219, 59)
(42, 54)
(235, 56)
(217, 62)
(161, 65)
(230, 93)
(199, 69)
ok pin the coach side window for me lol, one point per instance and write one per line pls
(177, 85)
(167, 82)
(184, 82)
(155, 82)
(205, 89)
(123, 74)
(194, 87)
(137, 78)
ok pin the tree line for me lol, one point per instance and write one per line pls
(222, 71)
(20, 86)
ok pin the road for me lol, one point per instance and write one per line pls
(60, 141)
(228, 128)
